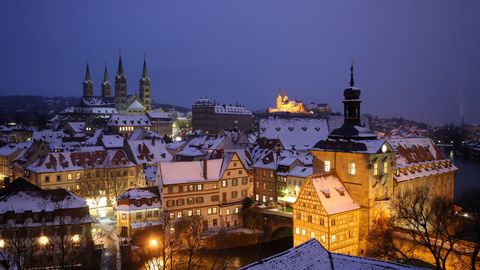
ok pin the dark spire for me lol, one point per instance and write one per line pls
(120, 65)
(352, 82)
(105, 74)
(145, 71)
(87, 73)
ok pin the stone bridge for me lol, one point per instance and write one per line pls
(276, 224)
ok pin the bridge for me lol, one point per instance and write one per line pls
(277, 224)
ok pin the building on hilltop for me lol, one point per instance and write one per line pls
(286, 105)
(211, 118)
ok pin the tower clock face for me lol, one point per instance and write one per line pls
(384, 148)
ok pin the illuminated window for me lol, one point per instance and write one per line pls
(236, 210)
(257, 197)
(199, 187)
(351, 168)
(172, 215)
(179, 214)
(69, 176)
(224, 183)
(214, 210)
(209, 211)
(375, 168)
(324, 239)
(334, 238)
(304, 232)
(385, 167)
(264, 198)
(190, 213)
(312, 234)
(327, 165)
(77, 176)
(228, 211)
(297, 230)
(197, 212)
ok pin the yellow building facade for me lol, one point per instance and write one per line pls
(285, 105)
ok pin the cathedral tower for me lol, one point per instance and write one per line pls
(120, 87)
(106, 85)
(144, 92)
(87, 84)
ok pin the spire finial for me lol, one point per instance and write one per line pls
(87, 73)
(352, 82)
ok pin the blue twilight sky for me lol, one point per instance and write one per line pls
(416, 59)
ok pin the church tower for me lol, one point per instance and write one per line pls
(106, 85)
(87, 84)
(120, 87)
(144, 92)
(351, 103)
(279, 99)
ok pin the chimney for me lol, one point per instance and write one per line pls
(205, 170)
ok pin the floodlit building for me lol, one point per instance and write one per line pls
(284, 104)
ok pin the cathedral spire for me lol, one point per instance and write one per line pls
(145, 71)
(352, 82)
(87, 73)
(87, 83)
(120, 66)
(105, 74)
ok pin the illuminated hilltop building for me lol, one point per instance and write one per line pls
(286, 105)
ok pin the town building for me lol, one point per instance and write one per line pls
(125, 124)
(211, 117)
(161, 123)
(98, 176)
(374, 171)
(284, 105)
(137, 209)
(325, 210)
(313, 255)
(40, 226)
(213, 189)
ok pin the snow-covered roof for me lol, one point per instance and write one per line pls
(135, 105)
(140, 193)
(190, 171)
(328, 188)
(300, 133)
(231, 109)
(154, 115)
(149, 151)
(77, 126)
(49, 136)
(418, 157)
(73, 161)
(138, 199)
(129, 120)
(12, 147)
(312, 255)
(301, 171)
(112, 141)
(21, 196)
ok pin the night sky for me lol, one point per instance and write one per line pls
(416, 59)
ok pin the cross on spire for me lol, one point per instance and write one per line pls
(352, 82)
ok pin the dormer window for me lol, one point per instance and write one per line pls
(341, 191)
(326, 193)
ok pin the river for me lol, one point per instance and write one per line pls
(468, 174)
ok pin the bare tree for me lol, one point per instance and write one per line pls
(190, 231)
(18, 247)
(470, 201)
(419, 220)
(94, 190)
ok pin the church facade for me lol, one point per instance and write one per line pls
(121, 101)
